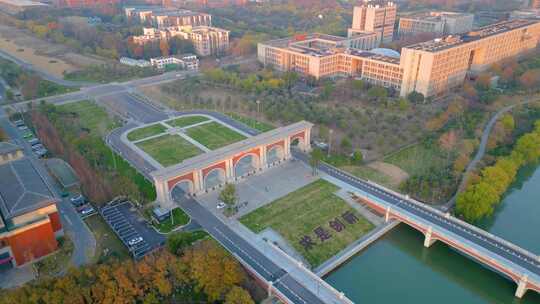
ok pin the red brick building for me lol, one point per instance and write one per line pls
(29, 220)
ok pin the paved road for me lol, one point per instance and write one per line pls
(484, 240)
(271, 272)
(482, 149)
(83, 239)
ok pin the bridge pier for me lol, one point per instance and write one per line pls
(522, 287)
(387, 214)
(428, 241)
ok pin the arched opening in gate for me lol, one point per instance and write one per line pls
(274, 154)
(297, 143)
(246, 165)
(181, 189)
(215, 178)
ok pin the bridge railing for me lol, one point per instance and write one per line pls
(463, 223)
(484, 233)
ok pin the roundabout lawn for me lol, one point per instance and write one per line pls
(186, 121)
(316, 222)
(169, 149)
(214, 135)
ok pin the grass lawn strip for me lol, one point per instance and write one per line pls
(180, 218)
(145, 132)
(417, 159)
(186, 121)
(93, 117)
(299, 213)
(169, 149)
(214, 135)
(107, 243)
(369, 174)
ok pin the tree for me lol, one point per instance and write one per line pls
(415, 97)
(530, 79)
(164, 47)
(228, 195)
(346, 145)
(238, 295)
(476, 202)
(315, 159)
(357, 157)
(377, 93)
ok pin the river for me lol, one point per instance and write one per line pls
(398, 269)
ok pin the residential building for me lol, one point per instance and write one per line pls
(29, 221)
(208, 40)
(166, 17)
(432, 68)
(135, 62)
(86, 3)
(438, 23)
(375, 16)
(186, 61)
(525, 14)
(535, 4)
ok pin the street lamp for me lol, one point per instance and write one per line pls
(258, 109)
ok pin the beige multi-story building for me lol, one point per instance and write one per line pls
(431, 68)
(375, 16)
(438, 23)
(209, 40)
(167, 17)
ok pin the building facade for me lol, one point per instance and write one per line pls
(378, 16)
(432, 68)
(167, 17)
(209, 40)
(29, 220)
(438, 23)
(187, 61)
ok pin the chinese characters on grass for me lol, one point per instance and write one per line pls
(337, 225)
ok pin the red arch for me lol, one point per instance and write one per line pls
(256, 151)
(280, 143)
(221, 165)
(172, 182)
(301, 135)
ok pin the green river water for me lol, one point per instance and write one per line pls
(398, 269)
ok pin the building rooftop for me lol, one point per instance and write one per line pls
(215, 156)
(22, 189)
(374, 56)
(435, 16)
(440, 44)
(176, 13)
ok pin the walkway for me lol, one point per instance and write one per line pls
(481, 150)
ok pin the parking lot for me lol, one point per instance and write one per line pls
(132, 229)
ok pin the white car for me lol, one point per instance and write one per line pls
(87, 210)
(23, 128)
(221, 205)
(135, 241)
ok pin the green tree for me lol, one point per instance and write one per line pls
(228, 195)
(357, 157)
(415, 97)
(315, 159)
(346, 145)
(476, 202)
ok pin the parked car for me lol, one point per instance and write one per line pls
(23, 128)
(135, 241)
(28, 135)
(87, 210)
(38, 147)
(78, 200)
(19, 123)
(33, 141)
(221, 205)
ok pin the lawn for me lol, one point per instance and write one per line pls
(169, 149)
(214, 135)
(92, 117)
(57, 262)
(180, 218)
(299, 215)
(107, 243)
(416, 159)
(252, 122)
(145, 132)
(186, 121)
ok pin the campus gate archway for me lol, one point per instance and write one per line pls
(214, 178)
(246, 165)
(181, 189)
(275, 154)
